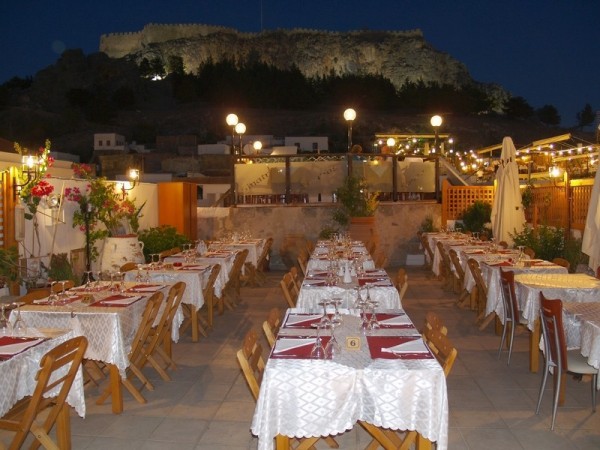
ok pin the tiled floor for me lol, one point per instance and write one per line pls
(208, 406)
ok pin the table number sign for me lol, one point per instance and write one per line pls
(353, 343)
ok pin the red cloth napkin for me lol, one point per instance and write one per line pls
(376, 343)
(10, 340)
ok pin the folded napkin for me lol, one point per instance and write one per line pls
(313, 282)
(191, 267)
(542, 263)
(396, 320)
(381, 283)
(501, 263)
(414, 346)
(375, 272)
(146, 288)
(285, 344)
(117, 300)
(61, 301)
(296, 319)
(10, 346)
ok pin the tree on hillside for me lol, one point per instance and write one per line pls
(518, 108)
(548, 114)
(585, 117)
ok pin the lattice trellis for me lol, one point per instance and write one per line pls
(457, 198)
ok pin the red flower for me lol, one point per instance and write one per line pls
(42, 188)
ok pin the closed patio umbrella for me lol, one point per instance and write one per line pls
(591, 233)
(507, 209)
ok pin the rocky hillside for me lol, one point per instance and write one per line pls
(399, 56)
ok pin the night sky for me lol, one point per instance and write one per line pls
(547, 51)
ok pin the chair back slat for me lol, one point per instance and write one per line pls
(441, 347)
(289, 289)
(457, 265)
(251, 362)
(553, 331)
(271, 325)
(476, 272)
(509, 298)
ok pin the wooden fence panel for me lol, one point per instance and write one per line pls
(550, 202)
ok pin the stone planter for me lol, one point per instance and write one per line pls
(363, 229)
(121, 249)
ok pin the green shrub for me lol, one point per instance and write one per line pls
(476, 215)
(549, 243)
(158, 239)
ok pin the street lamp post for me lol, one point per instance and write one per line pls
(436, 122)
(349, 115)
(240, 129)
(232, 121)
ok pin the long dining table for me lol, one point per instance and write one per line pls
(387, 378)
(195, 276)
(109, 323)
(575, 287)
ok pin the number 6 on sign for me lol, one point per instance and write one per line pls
(352, 343)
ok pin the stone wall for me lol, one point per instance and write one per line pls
(397, 226)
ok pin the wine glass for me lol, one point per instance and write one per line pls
(19, 327)
(325, 321)
(333, 347)
(5, 325)
(337, 317)
(87, 279)
(63, 290)
(318, 351)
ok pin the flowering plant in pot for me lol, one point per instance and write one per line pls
(101, 207)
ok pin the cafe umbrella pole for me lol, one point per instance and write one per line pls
(87, 217)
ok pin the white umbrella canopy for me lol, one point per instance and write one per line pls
(590, 244)
(507, 209)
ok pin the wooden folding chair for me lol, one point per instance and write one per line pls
(193, 317)
(562, 262)
(296, 277)
(481, 294)
(36, 294)
(381, 260)
(401, 282)
(58, 369)
(465, 296)
(231, 291)
(253, 366)
(303, 260)
(158, 342)
(271, 325)
(141, 336)
(58, 287)
(128, 266)
(289, 289)
(255, 275)
(427, 250)
(446, 273)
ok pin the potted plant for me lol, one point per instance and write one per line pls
(358, 207)
(476, 216)
(158, 239)
(107, 216)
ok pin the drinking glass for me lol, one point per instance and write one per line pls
(325, 321)
(87, 280)
(63, 290)
(333, 347)
(337, 317)
(19, 327)
(318, 351)
(5, 325)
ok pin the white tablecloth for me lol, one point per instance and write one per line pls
(225, 259)
(109, 330)
(18, 373)
(310, 295)
(582, 328)
(254, 246)
(303, 397)
(574, 287)
(194, 281)
(491, 276)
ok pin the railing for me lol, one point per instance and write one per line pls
(292, 179)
